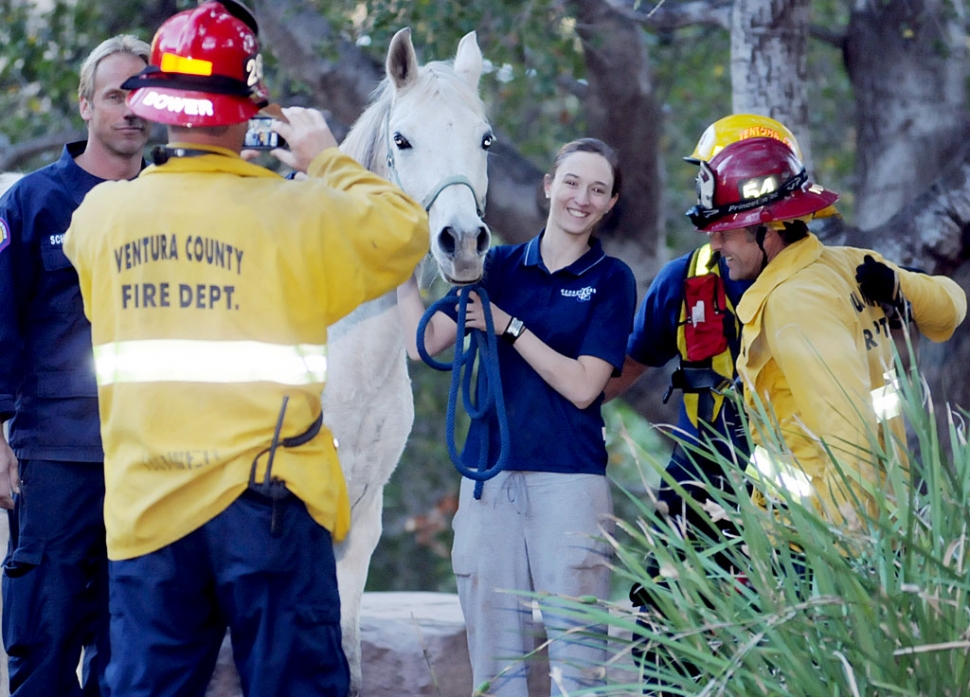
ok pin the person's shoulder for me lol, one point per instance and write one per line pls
(20, 182)
(506, 253)
(18, 190)
(619, 269)
(847, 257)
(616, 263)
(676, 268)
(671, 276)
(10, 184)
(811, 286)
(8, 180)
(112, 187)
(617, 278)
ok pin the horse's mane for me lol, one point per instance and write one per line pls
(367, 140)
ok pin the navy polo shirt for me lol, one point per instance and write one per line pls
(47, 382)
(653, 342)
(585, 309)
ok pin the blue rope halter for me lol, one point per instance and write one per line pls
(488, 392)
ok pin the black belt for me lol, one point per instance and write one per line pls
(704, 381)
(692, 379)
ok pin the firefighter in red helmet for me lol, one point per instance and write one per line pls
(816, 348)
(210, 283)
(205, 70)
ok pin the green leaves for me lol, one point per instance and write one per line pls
(533, 58)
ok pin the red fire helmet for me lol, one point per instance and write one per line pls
(753, 182)
(206, 70)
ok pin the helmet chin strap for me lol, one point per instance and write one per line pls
(759, 237)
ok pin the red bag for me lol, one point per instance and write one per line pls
(704, 331)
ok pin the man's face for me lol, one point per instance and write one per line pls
(740, 250)
(110, 122)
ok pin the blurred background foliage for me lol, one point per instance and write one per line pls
(533, 85)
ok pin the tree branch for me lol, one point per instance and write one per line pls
(14, 157)
(661, 16)
(339, 74)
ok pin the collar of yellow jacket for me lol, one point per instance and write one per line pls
(220, 160)
(786, 264)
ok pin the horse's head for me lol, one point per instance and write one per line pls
(431, 137)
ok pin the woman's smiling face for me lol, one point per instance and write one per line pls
(580, 194)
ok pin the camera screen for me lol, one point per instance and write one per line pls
(261, 137)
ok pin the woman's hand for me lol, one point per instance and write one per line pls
(475, 315)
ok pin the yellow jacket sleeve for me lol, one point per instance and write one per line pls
(381, 233)
(939, 303)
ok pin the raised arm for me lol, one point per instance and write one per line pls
(938, 303)
(440, 332)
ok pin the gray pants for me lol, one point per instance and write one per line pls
(532, 531)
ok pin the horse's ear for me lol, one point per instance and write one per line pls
(468, 59)
(402, 63)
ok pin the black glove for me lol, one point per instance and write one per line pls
(877, 282)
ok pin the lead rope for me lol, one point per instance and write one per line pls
(488, 395)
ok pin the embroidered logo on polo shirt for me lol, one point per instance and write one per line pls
(582, 295)
(4, 234)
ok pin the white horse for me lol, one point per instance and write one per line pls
(425, 130)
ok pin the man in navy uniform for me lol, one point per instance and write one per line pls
(55, 599)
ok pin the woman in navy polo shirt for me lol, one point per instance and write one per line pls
(565, 309)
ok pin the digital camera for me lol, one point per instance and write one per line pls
(261, 137)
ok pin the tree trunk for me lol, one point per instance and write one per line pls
(769, 67)
(907, 63)
(622, 109)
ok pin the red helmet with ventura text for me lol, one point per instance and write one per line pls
(757, 181)
(205, 70)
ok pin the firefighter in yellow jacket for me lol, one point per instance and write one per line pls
(210, 282)
(816, 350)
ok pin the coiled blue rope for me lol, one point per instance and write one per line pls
(487, 398)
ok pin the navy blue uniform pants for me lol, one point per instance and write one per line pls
(55, 597)
(275, 589)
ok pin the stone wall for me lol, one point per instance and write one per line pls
(411, 644)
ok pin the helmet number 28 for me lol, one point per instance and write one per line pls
(254, 70)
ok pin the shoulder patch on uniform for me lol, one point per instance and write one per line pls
(4, 235)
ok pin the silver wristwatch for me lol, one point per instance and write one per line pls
(514, 330)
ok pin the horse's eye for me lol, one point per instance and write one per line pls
(488, 141)
(401, 142)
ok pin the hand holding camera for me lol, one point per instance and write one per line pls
(261, 135)
(306, 135)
